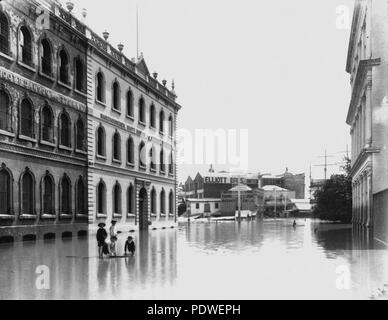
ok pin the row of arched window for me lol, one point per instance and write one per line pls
(46, 54)
(47, 120)
(145, 158)
(27, 187)
(130, 200)
(116, 105)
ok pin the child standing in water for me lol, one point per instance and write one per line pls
(112, 246)
(129, 246)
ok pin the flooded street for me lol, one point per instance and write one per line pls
(223, 260)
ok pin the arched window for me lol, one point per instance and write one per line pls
(79, 75)
(100, 141)
(63, 67)
(152, 158)
(46, 57)
(65, 195)
(64, 130)
(171, 164)
(117, 199)
(129, 103)
(5, 191)
(101, 197)
(5, 114)
(117, 147)
(27, 119)
(47, 124)
(100, 87)
(142, 110)
(80, 135)
(162, 165)
(161, 121)
(81, 196)
(4, 33)
(162, 202)
(27, 193)
(116, 95)
(171, 203)
(142, 155)
(131, 200)
(152, 116)
(153, 201)
(25, 45)
(171, 126)
(130, 151)
(48, 195)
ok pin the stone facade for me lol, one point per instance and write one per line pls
(367, 115)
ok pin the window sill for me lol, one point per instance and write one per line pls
(142, 168)
(163, 216)
(131, 215)
(102, 215)
(7, 133)
(116, 111)
(80, 93)
(46, 143)
(46, 76)
(67, 86)
(26, 66)
(48, 216)
(81, 216)
(115, 161)
(6, 56)
(161, 133)
(25, 138)
(101, 103)
(28, 217)
(117, 215)
(7, 217)
(132, 118)
(102, 158)
(162, 173)
(81, 151)
(131, 165)
(153, 170)
(65, 216)
(154, 215)
(171, 175)
(142, 123)
(65, 148)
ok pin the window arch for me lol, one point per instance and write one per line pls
(27, 195)
(142, 110)
(79, 75)
(25, 40)
(131, 200)
(171, 203)
(142, 155)
(152, 116)
(47, 132)
(65, 195)
(46, 57)
(5, 111)
(161, 121)
(130, 103)
(162, 165)
(130, 151)
(101, 197)
(116, 146)
(100, 87)
(64, 130)
(5, 190)
(162, 202)
(101, 151)
(81, 196)
(80, 135)
(27, 119)
(116, 198)
(63, 66)
(171, 125)
(48, 194)
(116, 99)
(4, 33)
(153, 201)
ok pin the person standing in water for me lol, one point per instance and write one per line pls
(101, 237)
(129, 246)
(112, 229)
(294, 224)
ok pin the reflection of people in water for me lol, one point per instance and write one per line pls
(101, 237)
(294, 224)
(130, 246)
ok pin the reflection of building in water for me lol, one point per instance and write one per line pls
(367, 115)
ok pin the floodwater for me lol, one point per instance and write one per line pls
(204, 260)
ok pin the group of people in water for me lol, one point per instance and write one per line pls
(110, 250)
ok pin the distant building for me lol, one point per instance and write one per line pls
(252, 200)
(277, 199)
(287, 180)
(207, 207)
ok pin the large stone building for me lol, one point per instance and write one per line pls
(43, 158)
(367, 64)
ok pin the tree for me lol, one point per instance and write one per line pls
(334, 199)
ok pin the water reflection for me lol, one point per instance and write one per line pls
(225, 260)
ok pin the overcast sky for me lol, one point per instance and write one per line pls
(276, 68)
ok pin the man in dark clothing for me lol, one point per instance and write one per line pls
(101, 237)
(129, 246)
